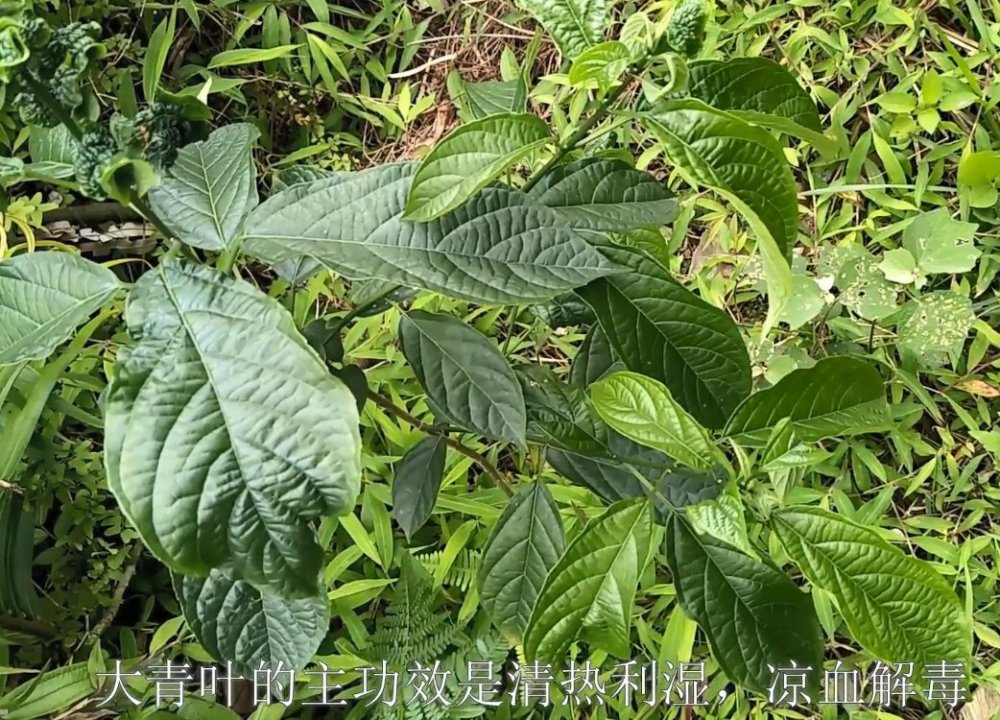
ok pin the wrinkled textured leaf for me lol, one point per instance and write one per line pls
(837, 396)
(416, 483)
(722, 518)
(235, 622)
(752, 614)
(575, 25)
(210, 188)
(745, 165)
(225, 433)
(467, 380)
(564, 311)
(605, 195)
(44, 296)
(593, 359)
(526, 543)
(588, 595)
(643, 410)
(49, 694)
(660, 329)
(898, 608)
(500, 247)
(740, 161)
(761, 91)
(468, 159)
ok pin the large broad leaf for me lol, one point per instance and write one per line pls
(575, 25)
(643, 410)
(44, 296)
(210, 188)
(526, 543)
(660, 329)
(225, 433)
(580, 446)
(605, 195)
(468, 381)
(837, 396)
(500, 247)
(761, 91)
(416, 482)
(490, 97)
(898, 608)
(746, 166)
(468, 159)
(588, 595)
(752, 614)
(235, 622)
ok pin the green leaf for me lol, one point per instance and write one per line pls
(54, 149)
(752, 614)
(588, 595)
(44, 297)
(580, 446)
(235, 622)
(468, 159)
(761, 91)
(940, 244)
(594, 358)
(156, 55)
(864, 289)
(225, 433)
(978, 173)
(246, 56)
(605, 195)
(525, 544)
(899, 266)
(500, 247)
(600, 65)
(897, 608)
(416, 482)
(575, 25)
(658, 328)
(490, 97)
(210, 189)
(933, 327)
(124, 176)
(837, 396)
(722, 518)
(643, 410)
(806, 302)
(745, 165)
(468, 382)
(48, 694)
(740, 161)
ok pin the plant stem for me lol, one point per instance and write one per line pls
(356, 311)
(396, 411)
(30, 627)
(581, 132)
(135, 554)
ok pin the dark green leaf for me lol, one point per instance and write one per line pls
(225, 432)
(594, 358)
(752, 614)
(210, 189)
(898, 608)
(416, 482)
(564, 311)
(490, 97)
(605, 195)
(526, 543)
(467, 380)
(498, 248)
(837, 396)
(588, 595)
(44, 297)
(235, 622)
(660, 329)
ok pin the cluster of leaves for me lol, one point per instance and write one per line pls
(231, 427)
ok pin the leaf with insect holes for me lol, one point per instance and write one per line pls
(940, 244)
(934, 327)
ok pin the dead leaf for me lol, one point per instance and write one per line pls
(979, 387)
(984, 705)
